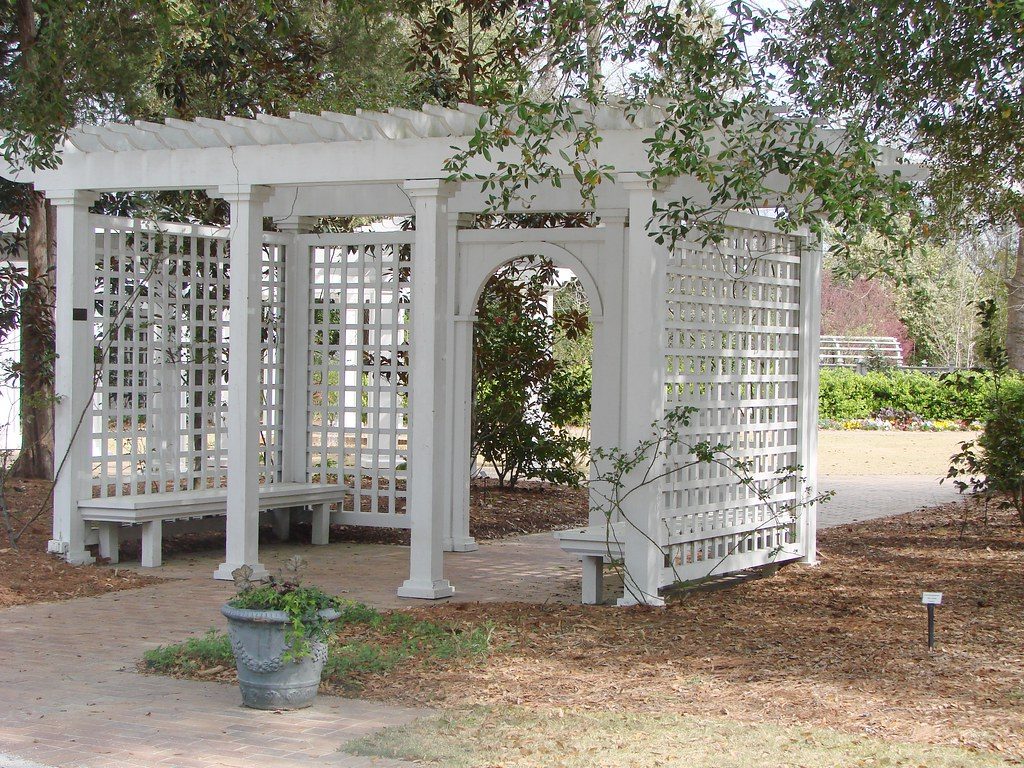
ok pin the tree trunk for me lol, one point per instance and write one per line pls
(37, 352)
(1015, 304)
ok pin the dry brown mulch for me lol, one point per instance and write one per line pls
(497, 513)
(29, 575)
(841, 645)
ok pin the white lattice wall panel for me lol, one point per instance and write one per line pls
(272, 336)
(163, 336)
(359, 367)
(732, 347)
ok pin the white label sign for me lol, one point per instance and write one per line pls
(931, 598)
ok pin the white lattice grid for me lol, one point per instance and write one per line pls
(272, 336)
(732, 347)
(360, 295)
(161, 324)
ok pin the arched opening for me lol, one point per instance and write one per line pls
(531, 398)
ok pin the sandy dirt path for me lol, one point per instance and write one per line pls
(863, 452)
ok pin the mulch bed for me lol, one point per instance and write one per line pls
(29, 575)
(841, 645)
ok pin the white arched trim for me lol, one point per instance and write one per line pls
(557, 255)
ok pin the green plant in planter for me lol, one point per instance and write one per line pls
(308, 608)
(278, 634)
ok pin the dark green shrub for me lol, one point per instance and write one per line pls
(845, 394)
(522, 395)
(993, 465)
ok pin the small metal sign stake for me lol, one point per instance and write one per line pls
(931, 599)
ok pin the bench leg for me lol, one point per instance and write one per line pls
(152, 543)
(282, 523)
(593, 580)
(321, 523)
(110, 541)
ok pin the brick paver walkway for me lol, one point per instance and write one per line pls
(865, 497)
(69, 695)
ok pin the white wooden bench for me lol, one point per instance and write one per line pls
(152, 510)
(594, 545)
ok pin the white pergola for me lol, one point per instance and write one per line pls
(243, 370)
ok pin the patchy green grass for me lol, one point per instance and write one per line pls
(195, 654)
(370, 642)
(366, 643)
(518, 738)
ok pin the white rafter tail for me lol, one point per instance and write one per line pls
(233, 135)
(200, 134)
(113, 142)
(137, 138)
(459, 123)
(84, 141)
(327, 130)
(394, 127)
(262, 132)
(425, 124)
(293, 131)
(357, 127)
(172, 138)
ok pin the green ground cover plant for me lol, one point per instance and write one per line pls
(194, 655)
(365, 642)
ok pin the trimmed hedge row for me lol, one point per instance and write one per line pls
(845, 394)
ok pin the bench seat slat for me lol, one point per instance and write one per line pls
(208, 501)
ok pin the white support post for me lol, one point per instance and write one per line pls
(606, 390)
(642, 391)
(244, 407)
(593, 580)
(152, 544)
(807, 403)
(73, 386)
(428, 440)
(459, 404)
(110, 542)
(296, 351)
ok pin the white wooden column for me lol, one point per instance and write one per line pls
(75, 368)
(459, 385)
(429, 441)
(296, 351)
(643, 367)
(807, 404)
(606, 390)
(244, 408)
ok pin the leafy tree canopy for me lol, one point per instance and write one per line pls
(941, 77)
